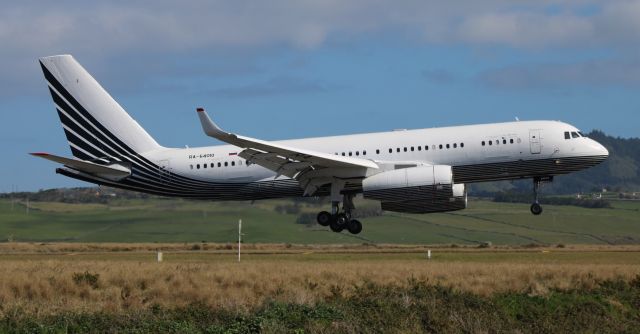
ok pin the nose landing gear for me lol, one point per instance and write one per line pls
(536, 208)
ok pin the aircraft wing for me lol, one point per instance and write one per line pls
(282, 159)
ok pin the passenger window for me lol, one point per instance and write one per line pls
(226, 164)
(357, 152)
(426, 147)
(350, 154)
(233, 163)
(574, 135)
(364, 152)
(490, 142)
(483, 143)
(455, 145)
(511, 141)
(219, 164)
(343, 154)
(198, 166)
(411, 148)
(398, 150)
(390, 150)
(405, 149)
(378, 151)
(504, 141)
(567, 135)
(212, 165)
(447, 146)
(440, 146)
(461, 144)
(204, 166)
(419, 148)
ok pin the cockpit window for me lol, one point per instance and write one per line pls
(581, 134)
(567, 135)
(574, 135)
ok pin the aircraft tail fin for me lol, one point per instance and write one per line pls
(96, 126)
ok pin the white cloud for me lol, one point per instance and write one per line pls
(188, 25)
(616, 73)
(526, 30)
(100, 31)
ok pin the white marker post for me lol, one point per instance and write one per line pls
(428, 254)
(239, 237)
(159, 256)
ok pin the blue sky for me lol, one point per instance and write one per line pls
(287, 69)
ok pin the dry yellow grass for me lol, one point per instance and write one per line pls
(44, 284)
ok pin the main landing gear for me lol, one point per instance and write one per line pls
(340, 220)
(536, 208)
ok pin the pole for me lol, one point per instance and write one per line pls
(239, 237)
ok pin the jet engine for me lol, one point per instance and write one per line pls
(422, 189)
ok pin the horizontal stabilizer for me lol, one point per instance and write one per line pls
(111, 172)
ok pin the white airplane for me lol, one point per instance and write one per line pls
(415, 171)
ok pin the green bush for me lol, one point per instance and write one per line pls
(86, 278)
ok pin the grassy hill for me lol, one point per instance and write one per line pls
(174, 220)
(111, 215)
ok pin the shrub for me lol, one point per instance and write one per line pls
(288, 209)
(86, 278)
(306, 219)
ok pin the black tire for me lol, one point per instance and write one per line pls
(324, 218)
(342, 220)
(354, 226)
(536, 209)
(335, 226)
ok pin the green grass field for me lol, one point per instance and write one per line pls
(172, 220)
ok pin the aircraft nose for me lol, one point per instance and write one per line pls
(599, 149)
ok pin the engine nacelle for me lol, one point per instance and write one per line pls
(421, 189)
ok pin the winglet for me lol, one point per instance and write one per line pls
(210, 128)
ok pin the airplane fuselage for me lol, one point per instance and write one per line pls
(477, 153)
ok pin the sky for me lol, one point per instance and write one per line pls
(284, 69)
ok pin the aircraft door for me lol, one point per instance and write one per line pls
(535, 142)
(164, 169)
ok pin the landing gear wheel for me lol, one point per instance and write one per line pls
(354, 226)
(324, 218)
(536, 209)
(342, 219)
(335, 226)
